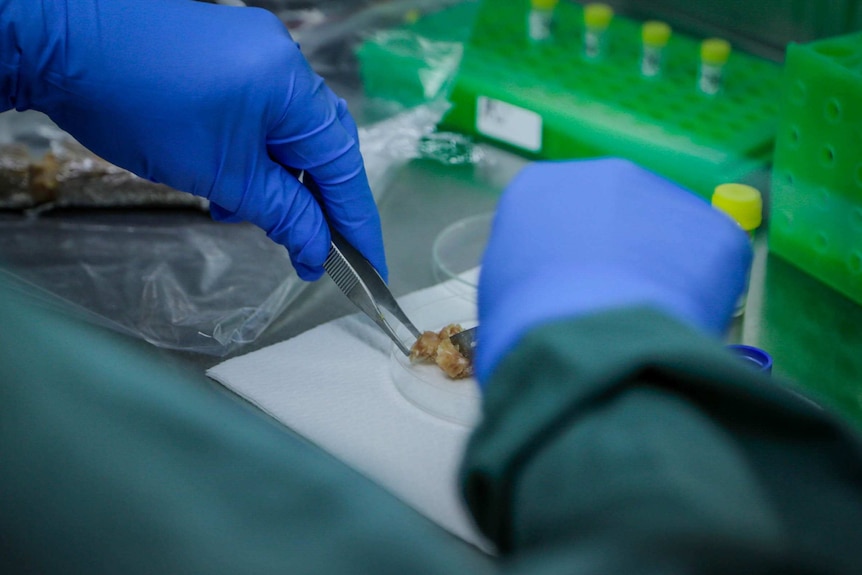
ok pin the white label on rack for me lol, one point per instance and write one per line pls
(508, 123)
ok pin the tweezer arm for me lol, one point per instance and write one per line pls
(361, 283)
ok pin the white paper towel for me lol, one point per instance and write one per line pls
(334, 385)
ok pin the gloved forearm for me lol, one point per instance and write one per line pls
(618, 435)
(573, 238)
(213, 100)
(637, 445)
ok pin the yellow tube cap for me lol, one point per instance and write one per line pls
(655, 33)
(714, 51)
(598, 15)
(544, 4)
(742, 203)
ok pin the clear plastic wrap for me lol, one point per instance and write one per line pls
(174, 279)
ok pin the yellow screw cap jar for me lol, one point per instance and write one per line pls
(745, 205)
(598, 15)
(655, 33)
(714, 51)
(742, 203)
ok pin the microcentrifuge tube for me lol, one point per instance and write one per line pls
(714, 53)
(744, 204)
(655, 36)
(541, 19)
(597, 18)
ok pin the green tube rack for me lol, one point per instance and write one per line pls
(816, 190)
(556, 104)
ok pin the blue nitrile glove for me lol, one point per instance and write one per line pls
(573, 238)
(213, 100)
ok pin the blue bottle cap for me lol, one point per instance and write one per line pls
(754, 356)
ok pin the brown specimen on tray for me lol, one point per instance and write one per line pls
(436, 347)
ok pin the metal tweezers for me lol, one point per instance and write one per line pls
(361, 283)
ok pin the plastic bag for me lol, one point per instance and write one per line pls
(175, 278)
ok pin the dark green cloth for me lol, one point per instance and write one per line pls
(621, 443)
(112, 461)
(626, 443)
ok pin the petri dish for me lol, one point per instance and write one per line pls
(425, 385)
(457, 252)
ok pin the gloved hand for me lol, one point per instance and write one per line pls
(573, 238)
(213, 100)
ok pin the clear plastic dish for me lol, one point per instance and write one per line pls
(457, 252)
(425, 385)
